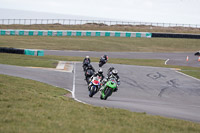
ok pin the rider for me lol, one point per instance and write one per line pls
(99, 73)
(105, 57)
(90, 67)
(114, 74)
(87, 59)
(110, 71)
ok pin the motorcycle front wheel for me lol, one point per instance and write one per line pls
(92, 91)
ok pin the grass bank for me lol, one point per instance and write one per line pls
(51, 61)
(111, 44)
(30, 106)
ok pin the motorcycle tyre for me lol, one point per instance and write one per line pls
(108, 93)
(92, 91)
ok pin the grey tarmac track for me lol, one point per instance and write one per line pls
(156, 91)
(50, 76)
(178, 59)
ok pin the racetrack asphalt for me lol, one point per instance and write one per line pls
(154, 90)
(178, 59)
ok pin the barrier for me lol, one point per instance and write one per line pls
(11, 50)
(22, 51)
(74, 33)
(174, 35)
(34, 52)
(30, 52)
(40, 53)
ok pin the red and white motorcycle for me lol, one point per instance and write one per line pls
(94, 86)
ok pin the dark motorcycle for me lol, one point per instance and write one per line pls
(102, 62)
(88, 75)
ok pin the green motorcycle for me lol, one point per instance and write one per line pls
(108, 88)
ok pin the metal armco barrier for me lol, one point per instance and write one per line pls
(74, 33)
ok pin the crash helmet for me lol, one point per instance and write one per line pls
(89, 66)
(114, 72)
(87, 57)
(105, 56)
(100, 71)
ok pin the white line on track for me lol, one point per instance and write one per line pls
(74, 87)
(166, 61)
(187, 75)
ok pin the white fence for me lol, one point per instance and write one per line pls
(82, 22)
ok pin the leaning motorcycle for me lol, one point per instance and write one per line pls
(94, 86)
(108, 88)
(88, 74)
(102, 61)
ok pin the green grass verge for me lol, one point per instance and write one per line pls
(51, 62)
(110, 44)
(28, 106)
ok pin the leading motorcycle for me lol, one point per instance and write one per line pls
(108, 88)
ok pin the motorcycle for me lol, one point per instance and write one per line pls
(88, 74)
(102, 61)
(94, 86)
(107, 89)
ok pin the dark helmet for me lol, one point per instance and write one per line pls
(114, 72)
(105, 56)
(100, 71)
(89, 66)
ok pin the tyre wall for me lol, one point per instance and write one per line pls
(171, 35)
(22, 51)
(11, 50)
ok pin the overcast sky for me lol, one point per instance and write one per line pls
(174, 11)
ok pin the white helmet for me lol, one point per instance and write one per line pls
(114, 72)
(100, 71)
(87, 57)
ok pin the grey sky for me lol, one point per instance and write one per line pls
(175, 11)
